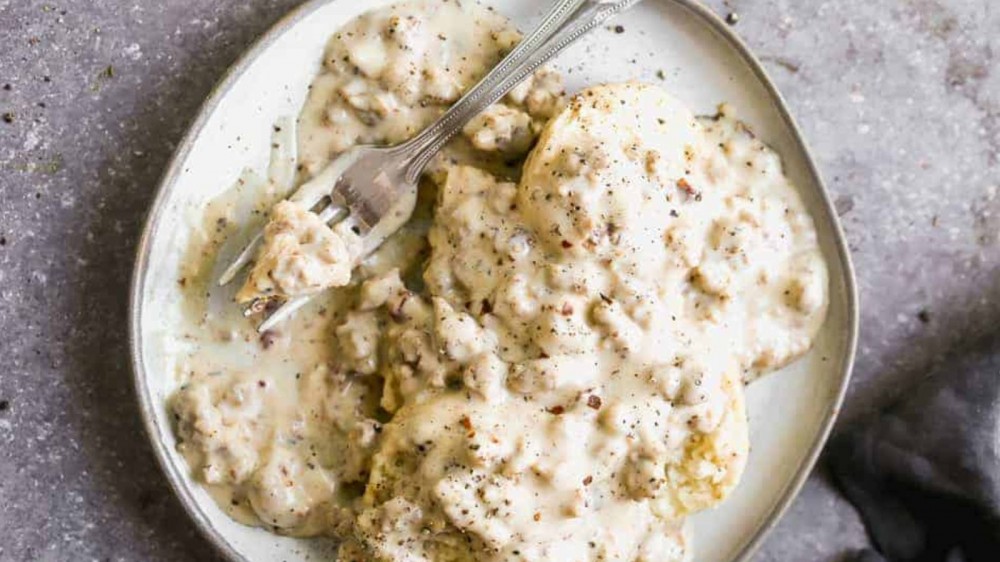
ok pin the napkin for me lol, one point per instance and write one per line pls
(925, 473)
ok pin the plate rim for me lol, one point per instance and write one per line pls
(174, 168)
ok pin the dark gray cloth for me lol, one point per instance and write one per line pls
(925, 473)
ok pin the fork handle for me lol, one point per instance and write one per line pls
(565, 22)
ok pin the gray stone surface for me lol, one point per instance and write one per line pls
(900, 100)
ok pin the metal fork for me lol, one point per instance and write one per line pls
(375, 188)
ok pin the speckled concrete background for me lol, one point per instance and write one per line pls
(900, 100)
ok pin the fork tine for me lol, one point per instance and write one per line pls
(283, 312)
(307, 195)
(245, 257)
(330, 213)
(321, 185)
(333, 213)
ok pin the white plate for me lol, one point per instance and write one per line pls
(791, 411)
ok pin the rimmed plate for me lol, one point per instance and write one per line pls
(679, 43)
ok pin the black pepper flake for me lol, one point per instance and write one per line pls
(619, 29)
(588, 480)
(594, 402)
(4, 405)
(924, 316)
(8, 117)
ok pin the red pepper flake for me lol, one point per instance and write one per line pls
(567, 309)
(588, 480)
(684, 186)
(567, 244)
(557, 410)
(467, 424)
(594, 402)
